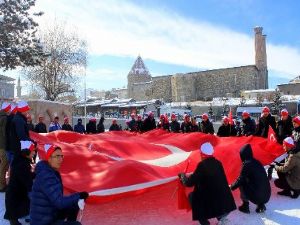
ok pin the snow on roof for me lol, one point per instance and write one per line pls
(259, 90)
(6, 78)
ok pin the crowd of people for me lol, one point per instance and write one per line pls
(35, 191)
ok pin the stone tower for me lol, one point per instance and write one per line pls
(19, 88)
(138, 74)
(261, 57)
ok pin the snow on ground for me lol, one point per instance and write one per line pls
(142, 209)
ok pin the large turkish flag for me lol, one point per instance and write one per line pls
(115, 164)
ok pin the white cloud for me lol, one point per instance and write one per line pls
(123, 29)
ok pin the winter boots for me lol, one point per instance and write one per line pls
(260, 208)
(289, 193)
(244, 207)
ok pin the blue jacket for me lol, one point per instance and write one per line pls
(47, 196)
(54, 127)
(79, 128)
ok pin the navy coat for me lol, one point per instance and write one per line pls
(47, 197)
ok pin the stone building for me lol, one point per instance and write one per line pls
(291, 88)
(202, 85)
(6, 88)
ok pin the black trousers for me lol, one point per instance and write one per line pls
(68, 216)
(281, 182)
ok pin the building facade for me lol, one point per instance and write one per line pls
(291, 88)
(7, 87)
(202, 85)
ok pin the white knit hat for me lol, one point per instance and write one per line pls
(207, 149)
(23, 106)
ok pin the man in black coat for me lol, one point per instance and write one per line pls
(264, 122)
(149, 122)
(206, 126)
(9, 141)
(91, 127)
(17, 201)
(174, 125)
(253, 182)
(132, 123)
(100, 125)
(186, 125)
(249, 125)
(139, 123)
(66, 126)
(30, 125)
(226, 129)
(40, 127)
(284, 126)
(211, 196)
(19, 129)
(114, 126)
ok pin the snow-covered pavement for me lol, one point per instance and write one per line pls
(140, 210)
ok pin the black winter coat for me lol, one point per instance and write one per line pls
(132, 125)
(149, 124)
(194, 128)
(18, 131)
(40, 128)
(248, 127)
(100, 126)
(175, 126)
(139, 125)
(20, 183)
(284, 129)
(67, 127)
(253, 178)
(186, 127)
(8, 127)
(30, 126)
(211, 196)
(226, 131)
(91, 128)
(114, 127)
(207, 127)
(263, 125)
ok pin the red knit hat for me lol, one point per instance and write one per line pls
(173, 116)
(27, 145)
(297, 120)
(289, 142)
(225, 119)
(23, 106)
(49, 149)
(204, 116)
(265, 109)
(6, 106)
(284, 112)
(245, 114)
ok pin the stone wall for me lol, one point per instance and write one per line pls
(135, 81)
(161, 88)
(290, 89)
(141, 91)
(49, 110)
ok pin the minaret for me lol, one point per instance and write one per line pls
(261, 58)
(19, 88)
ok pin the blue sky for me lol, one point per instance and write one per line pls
(179, 36)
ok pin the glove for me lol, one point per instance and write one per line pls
(181, 176)
(83, 195)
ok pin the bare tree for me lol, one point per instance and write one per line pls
(57, 75)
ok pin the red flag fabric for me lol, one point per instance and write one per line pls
(271, 135)
(182, 199)
(115, 164)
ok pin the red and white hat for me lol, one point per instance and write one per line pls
(265, 109)
(289, 142)
(204, 116)
(297, 120)
(284, 112)
(173, 116)
(93, 119)
(13, 108)
(245, 114)
(6, 106)
(23, 106)
(49, 149)
(27, 145)
(225, 119)
(207, 149)
(150, 113)
(66, 118)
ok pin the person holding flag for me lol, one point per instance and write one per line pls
(226, 129)
(248, 125)
(48, 204)
(289, 171)
(175, 125)
(206, 126)
(284, 126)
(211, 197)
(265, 120)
